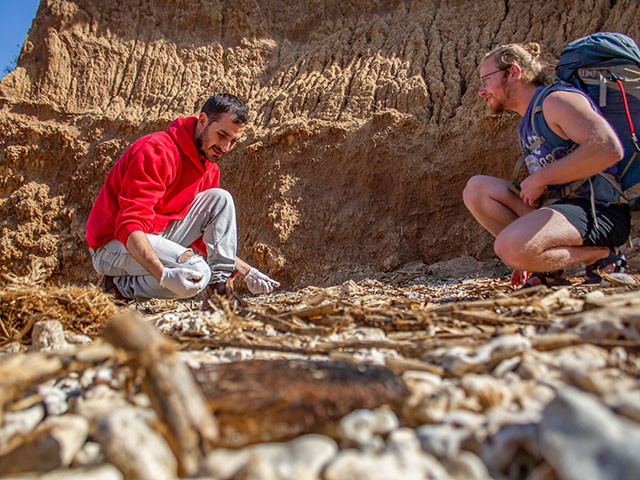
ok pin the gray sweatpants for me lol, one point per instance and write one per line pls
(212, 215)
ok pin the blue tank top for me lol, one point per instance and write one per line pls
(555, 148)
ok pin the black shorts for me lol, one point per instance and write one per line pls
(614, 221)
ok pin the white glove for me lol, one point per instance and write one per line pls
(258, 282)
(182, 282)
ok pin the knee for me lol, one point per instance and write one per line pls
(200, 268)
(510, 250)
(219, 196)
(474, 191)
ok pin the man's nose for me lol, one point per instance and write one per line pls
(225, 145)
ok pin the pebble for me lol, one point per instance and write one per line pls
(102, 472)
(54, 399)
(459, 360)
(134, 448)
(300, 459)
(365, 427)
(47, 336)
(581, 438)
(52, 445)
(20, 423)
(402, 460)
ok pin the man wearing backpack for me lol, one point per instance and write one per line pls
(586, 222)
(162, 197)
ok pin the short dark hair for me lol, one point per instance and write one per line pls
(222, 103)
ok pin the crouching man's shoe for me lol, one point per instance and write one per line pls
(108, 286)
(221, 289)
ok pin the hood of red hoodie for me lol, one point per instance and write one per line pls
(182, 131)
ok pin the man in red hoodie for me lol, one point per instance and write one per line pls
(162, 197)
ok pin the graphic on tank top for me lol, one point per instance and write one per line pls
(544, 155)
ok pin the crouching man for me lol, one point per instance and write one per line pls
(585, 225)
(162, 197)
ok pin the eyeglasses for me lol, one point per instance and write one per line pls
(483, 82)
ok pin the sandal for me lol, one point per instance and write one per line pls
(549, 279)
(613, 263)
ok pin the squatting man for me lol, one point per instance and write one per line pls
(541, 239)
(162, 197)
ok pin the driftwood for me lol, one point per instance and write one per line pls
(191, 428)
(258, 401)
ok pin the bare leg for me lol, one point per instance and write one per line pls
(544, 240)
(492, 203)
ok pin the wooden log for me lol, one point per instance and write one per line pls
(275, 400)
(191, 430)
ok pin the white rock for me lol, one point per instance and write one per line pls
(48, 335)
(442, 440)
(500, 449)
(77, 338)
(103, 472)
(52, 445)
(134, 448)
(89, 455)
(20, 423)
(363, 427)
(300, 459)
(404, 460)
(223, 463)
(55, 400)
(466, 466)
(581, 438)
(458, 360)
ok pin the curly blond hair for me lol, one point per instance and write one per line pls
(525, 55)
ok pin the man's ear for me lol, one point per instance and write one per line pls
(516, 71)
(203, 120)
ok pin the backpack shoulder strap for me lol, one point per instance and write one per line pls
(539, 124)
(537, 107)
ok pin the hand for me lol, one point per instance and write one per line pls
(182, 282)
(531, 190)
(258, 282)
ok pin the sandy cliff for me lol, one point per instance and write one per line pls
(365, 120)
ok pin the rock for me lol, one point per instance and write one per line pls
(89, 455)
(102, 472)
(223, 463)
(466, 466)
(51, 446)
(499, 451)
(299, 459)
(134, 448)
(48, 335)
(581, 438)
(364, 427)
(403, 460)
(55, 400)
(77, 338)
(191, 323)
(97, 403)
(459, 360)
(19, 423)
(442, 440)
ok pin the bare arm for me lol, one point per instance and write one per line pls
(139, 247)
(570, 116)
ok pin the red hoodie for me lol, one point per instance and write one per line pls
(152, 184)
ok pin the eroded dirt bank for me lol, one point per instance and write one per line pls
(366, 123)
